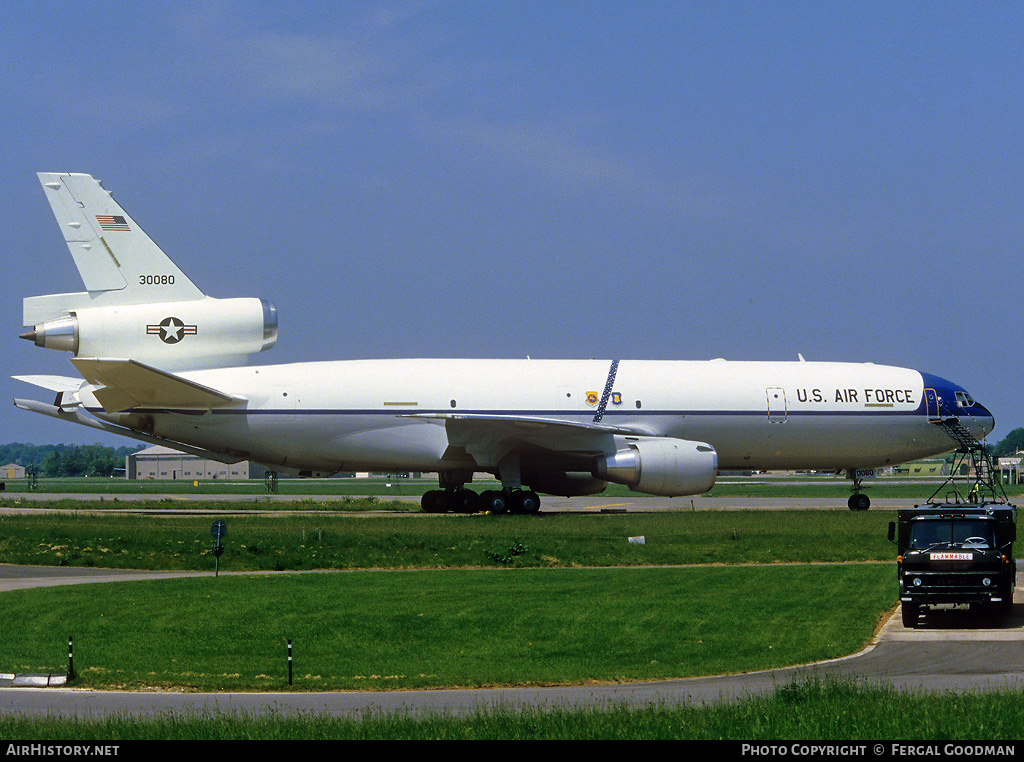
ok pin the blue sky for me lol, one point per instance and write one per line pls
(655, 180)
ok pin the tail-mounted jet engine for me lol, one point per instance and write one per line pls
(200, 333)
(659, 466)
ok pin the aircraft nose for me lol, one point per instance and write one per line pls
(980, 421)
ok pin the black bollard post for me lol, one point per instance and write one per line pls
(71, 658)
(289, 661)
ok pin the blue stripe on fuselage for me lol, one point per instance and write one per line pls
(554, 414)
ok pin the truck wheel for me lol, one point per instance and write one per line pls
(910, 612)
(1006, 607)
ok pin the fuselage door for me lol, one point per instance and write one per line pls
(931, 405)
(776, 404)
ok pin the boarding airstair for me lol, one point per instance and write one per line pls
(972, 466)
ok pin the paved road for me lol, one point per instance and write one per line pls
(946, 652)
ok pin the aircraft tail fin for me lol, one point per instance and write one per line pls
(118, 262)
(138, 304)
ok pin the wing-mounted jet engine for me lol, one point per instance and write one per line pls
(661, 466)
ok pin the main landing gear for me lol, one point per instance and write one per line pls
(453, 496)
(458, 499)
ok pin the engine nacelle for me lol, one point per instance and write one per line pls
(201, 333)
(660, 466)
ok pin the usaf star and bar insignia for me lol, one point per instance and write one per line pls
(171, 330)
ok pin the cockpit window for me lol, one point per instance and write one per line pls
(963, 399)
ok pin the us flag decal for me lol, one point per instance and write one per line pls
(112, 222)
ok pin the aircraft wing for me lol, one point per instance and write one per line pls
(527, 424)
(125, 384)
(490, 437)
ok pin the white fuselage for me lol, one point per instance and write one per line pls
(358, 415)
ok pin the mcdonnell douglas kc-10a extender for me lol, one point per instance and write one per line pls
(163, 363)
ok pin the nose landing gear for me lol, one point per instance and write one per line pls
(858, 500)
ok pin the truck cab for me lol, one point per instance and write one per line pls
(955, 553)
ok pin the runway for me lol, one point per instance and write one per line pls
(24, 501)
(946, 652)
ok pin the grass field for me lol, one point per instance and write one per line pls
(299, 542)
(554, 596)
(382, 630)
(826, 712)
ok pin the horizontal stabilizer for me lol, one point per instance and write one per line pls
(53, 383)
(129, 384)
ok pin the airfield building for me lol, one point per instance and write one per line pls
(167, 464)
(12, 471)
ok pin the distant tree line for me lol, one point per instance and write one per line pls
(68, 460)
(1008, 445)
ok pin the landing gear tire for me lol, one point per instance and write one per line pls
(459, 500)
(464, 501)
(525, 502)
(431, 501)
(494, 501)
(859, 502)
